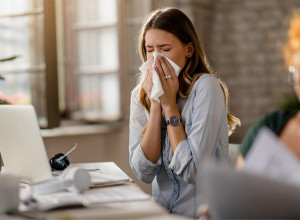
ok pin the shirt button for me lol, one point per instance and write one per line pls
(176, 192)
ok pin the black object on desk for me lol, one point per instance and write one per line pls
(59, 164)
(60, 161)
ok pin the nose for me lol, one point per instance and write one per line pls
(158, 50)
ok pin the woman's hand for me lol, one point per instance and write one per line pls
(169, 82)
(147, 83)
(203, 212)
(170, 85)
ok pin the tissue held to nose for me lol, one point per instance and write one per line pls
(157, 89)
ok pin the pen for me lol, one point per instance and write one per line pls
(95, 169)
(62, 157)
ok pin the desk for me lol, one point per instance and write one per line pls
(132, 204)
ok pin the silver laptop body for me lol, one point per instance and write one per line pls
(21, 144)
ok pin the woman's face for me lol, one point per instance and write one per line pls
(168, 44)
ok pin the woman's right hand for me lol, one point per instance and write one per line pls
(147, 82)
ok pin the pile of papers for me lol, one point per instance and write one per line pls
(103, 174)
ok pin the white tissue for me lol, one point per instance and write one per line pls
(157, 89)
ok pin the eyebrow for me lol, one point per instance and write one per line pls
(161, 45)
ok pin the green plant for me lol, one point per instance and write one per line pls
(4, 60)
(2, 99)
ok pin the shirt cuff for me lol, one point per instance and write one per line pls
(181, 157)
(143, 165)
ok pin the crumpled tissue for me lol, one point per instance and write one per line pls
(157, 89)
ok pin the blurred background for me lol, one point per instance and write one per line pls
(76, 61)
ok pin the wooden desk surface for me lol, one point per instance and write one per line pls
(133, 204)
(143, 209)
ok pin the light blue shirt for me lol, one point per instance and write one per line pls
(174, 176)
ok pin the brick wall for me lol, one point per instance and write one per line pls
(243, 40)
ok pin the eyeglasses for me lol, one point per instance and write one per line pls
(294, 76)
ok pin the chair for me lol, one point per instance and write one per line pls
(234, 150)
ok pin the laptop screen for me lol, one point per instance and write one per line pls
(21, 144)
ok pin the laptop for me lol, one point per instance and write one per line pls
(21, 144)
(242, 195)
(23, 151)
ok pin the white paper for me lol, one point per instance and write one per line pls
(93, 196)
(157, 89)
(269, 157)
(104, 173)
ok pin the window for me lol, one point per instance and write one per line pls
(77, 59)
(93, 52)
(23, 35)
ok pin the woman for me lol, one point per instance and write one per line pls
(170, 136)
(284, 123)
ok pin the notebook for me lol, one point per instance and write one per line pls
(104, 173)
(21, 144)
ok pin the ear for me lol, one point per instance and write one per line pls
(189, 50)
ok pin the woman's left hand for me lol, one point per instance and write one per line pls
(169, 82)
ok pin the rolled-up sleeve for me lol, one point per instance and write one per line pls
(142, 168)
(203, 128)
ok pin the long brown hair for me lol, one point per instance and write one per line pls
(176, 22)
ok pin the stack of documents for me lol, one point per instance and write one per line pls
(95, 196)
(104, 173)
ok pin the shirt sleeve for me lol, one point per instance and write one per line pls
(142, 168)
(207, 125)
